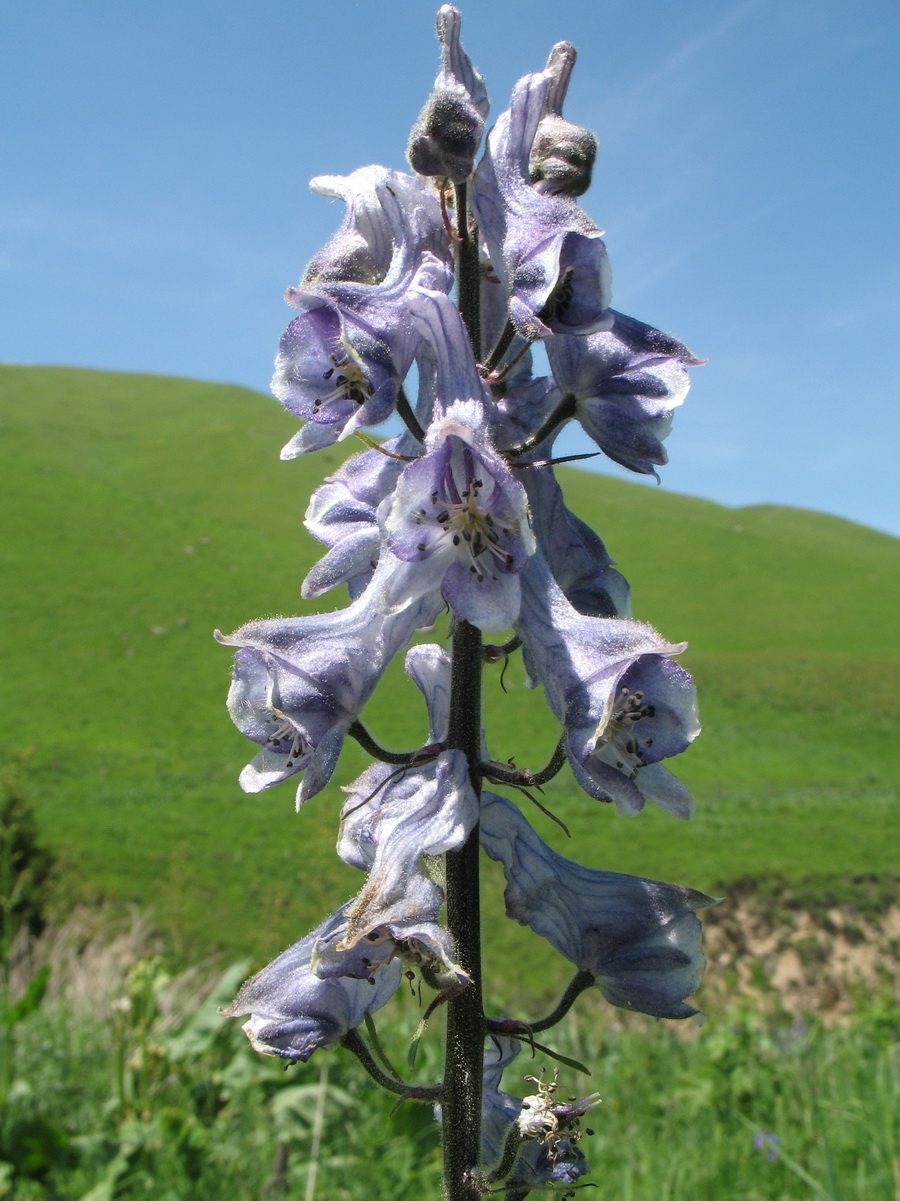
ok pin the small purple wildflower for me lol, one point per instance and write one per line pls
(766, 1141)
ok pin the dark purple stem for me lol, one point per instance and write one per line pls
(464, 1050)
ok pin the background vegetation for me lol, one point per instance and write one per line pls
(139, 512)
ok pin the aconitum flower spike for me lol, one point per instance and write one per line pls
(293, 1012)
(562, 154)
(624, 384)
(623, 703)
(299, 682)
(547, 252)
(639, 939)
(444, 140)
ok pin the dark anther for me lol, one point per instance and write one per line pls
(559, 299)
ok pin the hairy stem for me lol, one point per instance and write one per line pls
(355, 1043)
(358, 731)
(468, 275)
(563, 411)
(503, 344)
(464, 1053)
(410, 420)
(464, 1048)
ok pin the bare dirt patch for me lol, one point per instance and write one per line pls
(782, 951)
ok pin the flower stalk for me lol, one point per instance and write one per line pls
(437, 519)
(464, 1049)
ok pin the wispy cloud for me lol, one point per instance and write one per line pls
(669, 80)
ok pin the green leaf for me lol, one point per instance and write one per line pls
(30, 1000)
(414, 1043)
(570, 1063)
(379, 1050)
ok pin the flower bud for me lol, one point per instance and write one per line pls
(562, 156)
(445, 139)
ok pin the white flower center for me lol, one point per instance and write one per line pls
(285, 736)
(620, 733)
(348, 378)
(469, 527)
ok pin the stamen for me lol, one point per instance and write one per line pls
(462, 519)
(284, 735)
(350, 382)
(619, 732)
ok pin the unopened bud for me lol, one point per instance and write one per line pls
(445, 139)
(562, 157)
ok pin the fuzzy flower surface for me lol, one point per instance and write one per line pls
(299, 683)
(562, 154)
(639, 939)
(343, 513)
(624, 704)
(342, 360)
(549, 255)
(445, 139)
(389, 822)
(624, 385)
(294, 1013)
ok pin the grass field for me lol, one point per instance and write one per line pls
(742, 1112)
(140, 512)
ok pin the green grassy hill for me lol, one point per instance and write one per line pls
(140, 512)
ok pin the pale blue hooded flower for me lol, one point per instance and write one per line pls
(383, 208)
(362, 249)
(459, 522)
(625, 383)
(389, 821)
(343, 513)
(499, 1110)
(444, 140)
(623, 703)
(341, 362)
(548, 253)
(300, 682)
(639, 939)
(576, 555)
(459, 518)
(293, 1012)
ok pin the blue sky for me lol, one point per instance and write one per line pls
(154, 201)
